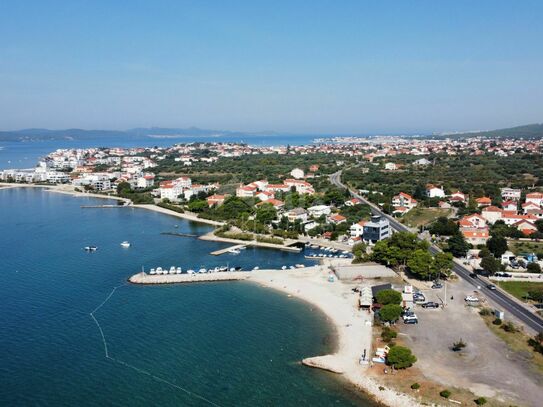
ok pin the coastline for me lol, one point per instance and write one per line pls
(338, 303)
(335, 300)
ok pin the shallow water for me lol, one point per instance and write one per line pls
(227, 344)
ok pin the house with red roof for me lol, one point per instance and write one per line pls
(337, 218)
(472, 221)
(509, 206)
(403, 200)
(535, 197)
(357, 229)
(528, 206)
(483, 201)
(492, 214)
(526, 227)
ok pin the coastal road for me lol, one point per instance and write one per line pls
(499, 297)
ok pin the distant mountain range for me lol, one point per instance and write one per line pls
(527, 131)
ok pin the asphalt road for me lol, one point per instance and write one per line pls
(499, 297)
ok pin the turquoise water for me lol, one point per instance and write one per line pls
(226, 344)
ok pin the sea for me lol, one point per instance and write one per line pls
(25, 154)
(74, 333)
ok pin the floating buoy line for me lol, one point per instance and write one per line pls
(137, 369)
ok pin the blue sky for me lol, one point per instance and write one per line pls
(290, 66)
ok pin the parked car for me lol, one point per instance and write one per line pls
(491, 287)
(430, 304)
(471, 298)
(437, 285)
(411, 321)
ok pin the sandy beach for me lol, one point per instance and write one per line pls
(339, 303)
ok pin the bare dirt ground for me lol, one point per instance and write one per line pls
(486, 366)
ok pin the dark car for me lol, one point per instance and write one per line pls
(506, 275)
(430, 304)
(411, 321)
(473, 275)
(491, 287)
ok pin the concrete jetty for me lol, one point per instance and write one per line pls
(144, 278)
(227, 249)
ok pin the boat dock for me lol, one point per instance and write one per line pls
(227, 249)
(144, 278)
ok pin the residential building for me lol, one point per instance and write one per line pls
(492, 214)
(297, 214)
(377, 229)
(511, 194)
(483, 201)
(535, 197)
(357, 229)
(319, 210)
(434, 192)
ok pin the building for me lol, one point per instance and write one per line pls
(510, 194)
(403, 200)
(357, 229)
(483, 201)
(337, 219)
(535, 197)
(146, 181)
(246, 191)
(492, 214)
(297, 214)
(434, 192)
(475, 236)
(378, 228)
(319, 210)
(297, 173)
(216, 200)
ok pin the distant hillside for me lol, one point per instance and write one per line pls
(527, 131)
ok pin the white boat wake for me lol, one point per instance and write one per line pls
(137, 369)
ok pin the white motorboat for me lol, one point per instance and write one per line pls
(223, 268)
(178, 270)
(190, 271)
(172, 270)
(91, 248)
(152, 271)
(256, 268)
(202, 270)
(125, 244)
(300, 266)
(284, 268)
(159, 270)
(232, 269)
(233, 251)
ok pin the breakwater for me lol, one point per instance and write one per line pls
(144, 278)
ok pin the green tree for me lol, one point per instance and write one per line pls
(359, 251)
(442, 264)
(197, 206)
(533, 268)
(420, 263)
(123, 188)
(390, 312)
(490, 265)
(266, 213)
(400, 357)
(497, 245)
(457, 245)
(444, 226)
(390, 296)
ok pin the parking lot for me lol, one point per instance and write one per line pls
(485, 366)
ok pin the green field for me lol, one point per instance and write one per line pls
(519, 289)
(518, 247)
(423, 216)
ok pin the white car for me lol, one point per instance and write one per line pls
(471, 298)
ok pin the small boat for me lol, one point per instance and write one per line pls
(159, 270)
(284, 268)
(233, 251)
(172, 270)
(223, 268)
(178, 270)
(152, 271)
(300, 266)
(190, 271)
(256, 268)
(91, 248)
(292, 267)
(232, 269)
(202, 270)
(176, 226)
(125, 244)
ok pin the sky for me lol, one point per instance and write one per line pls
(344, 67)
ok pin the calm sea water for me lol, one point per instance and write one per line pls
(226, 344)
(26, 154)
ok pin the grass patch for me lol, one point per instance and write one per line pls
(520, 289)
(519, 246)
(518, 342)
(423, 216)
